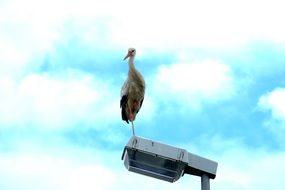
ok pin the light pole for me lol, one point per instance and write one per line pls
(166, 162)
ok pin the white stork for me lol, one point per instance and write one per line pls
(132, 92)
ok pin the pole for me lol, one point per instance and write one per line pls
(205, 182)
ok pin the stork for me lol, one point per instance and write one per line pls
(132, 92)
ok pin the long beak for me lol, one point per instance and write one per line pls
(128, 55)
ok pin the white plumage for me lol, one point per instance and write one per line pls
(132, 92)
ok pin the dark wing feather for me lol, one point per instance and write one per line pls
(123, 105)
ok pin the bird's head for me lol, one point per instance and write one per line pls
(131, 53)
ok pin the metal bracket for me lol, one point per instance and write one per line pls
(180, 155)
(134, 143)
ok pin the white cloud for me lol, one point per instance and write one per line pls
(244, 170)
(68, 168)
(274, 102)
(194, 83)
(56, 101)
(240, 169)
(203, 24)
(73, 169)
(32, 27)
(30, 30)
(49, 171)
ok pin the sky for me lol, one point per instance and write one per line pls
(215, 86)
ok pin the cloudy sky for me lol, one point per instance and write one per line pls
(214, 72)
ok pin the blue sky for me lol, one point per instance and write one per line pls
(215, 86)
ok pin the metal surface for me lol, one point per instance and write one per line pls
(198, 166)
(205, 182)
(163, 161)
(154, 159)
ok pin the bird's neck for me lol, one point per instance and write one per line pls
(131, 64)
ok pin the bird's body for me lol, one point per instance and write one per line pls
(132, 92)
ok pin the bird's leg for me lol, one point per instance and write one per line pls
(131, 118)
(133, 128)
